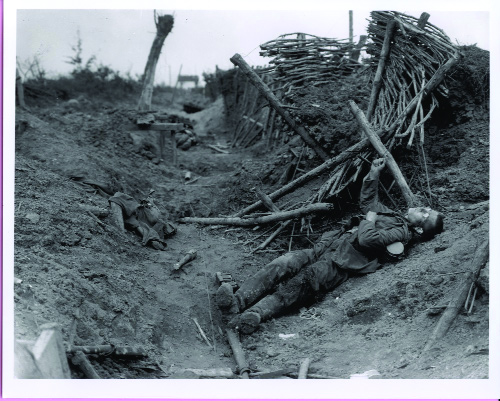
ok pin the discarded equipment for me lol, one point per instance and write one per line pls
(187, 258)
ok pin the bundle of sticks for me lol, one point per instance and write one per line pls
(408, 57)
(301, 58)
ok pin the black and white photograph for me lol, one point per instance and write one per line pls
(255, 192)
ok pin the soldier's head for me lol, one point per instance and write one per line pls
(430, 221)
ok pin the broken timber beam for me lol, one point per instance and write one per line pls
(383, 152)
(481, 257)
(377, 82)
(274, 102)
(272, 218)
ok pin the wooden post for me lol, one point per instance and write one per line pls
(174, 148)
(383, 152)
(422, 21)
(377, 82)
(274, 102)
(164, 24)
(350, 27)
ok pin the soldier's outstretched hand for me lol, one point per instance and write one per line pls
(378, 165)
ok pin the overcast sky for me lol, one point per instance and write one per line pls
(200, 39)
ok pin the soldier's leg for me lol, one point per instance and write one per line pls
(321, 276)
(264, 280)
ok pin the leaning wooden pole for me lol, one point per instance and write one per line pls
(164, 24)
(377, 82)
(481, 257)
(383, 152)
(274, 102)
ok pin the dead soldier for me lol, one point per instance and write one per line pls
(295, 278)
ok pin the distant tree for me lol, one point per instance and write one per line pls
(77, 59)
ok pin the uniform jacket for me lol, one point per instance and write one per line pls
(389, 227)
(359, 252)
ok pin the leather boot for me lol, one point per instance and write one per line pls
(226, 301)
(263, 310)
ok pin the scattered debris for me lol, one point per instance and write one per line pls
(365, 375)
(190, 255)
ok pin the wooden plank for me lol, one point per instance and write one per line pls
(49, 353)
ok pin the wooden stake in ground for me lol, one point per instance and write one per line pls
(481, 257)
(274, 102)
(164, 24)
(383, 152)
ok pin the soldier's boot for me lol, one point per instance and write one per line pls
(226, 301)
(263, 310)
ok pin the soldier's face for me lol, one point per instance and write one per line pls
(417, 215)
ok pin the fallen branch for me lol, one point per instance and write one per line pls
(382, 150)
(217, 149)
(280, 216)
(202, 332)
(272, 236)
(480, 259)
(238, 353)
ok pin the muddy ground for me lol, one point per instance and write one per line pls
(103, 286)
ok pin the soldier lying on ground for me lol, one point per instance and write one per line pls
(295, 278)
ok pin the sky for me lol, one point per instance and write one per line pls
(200, 39)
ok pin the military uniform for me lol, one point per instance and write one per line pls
(294, 278)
